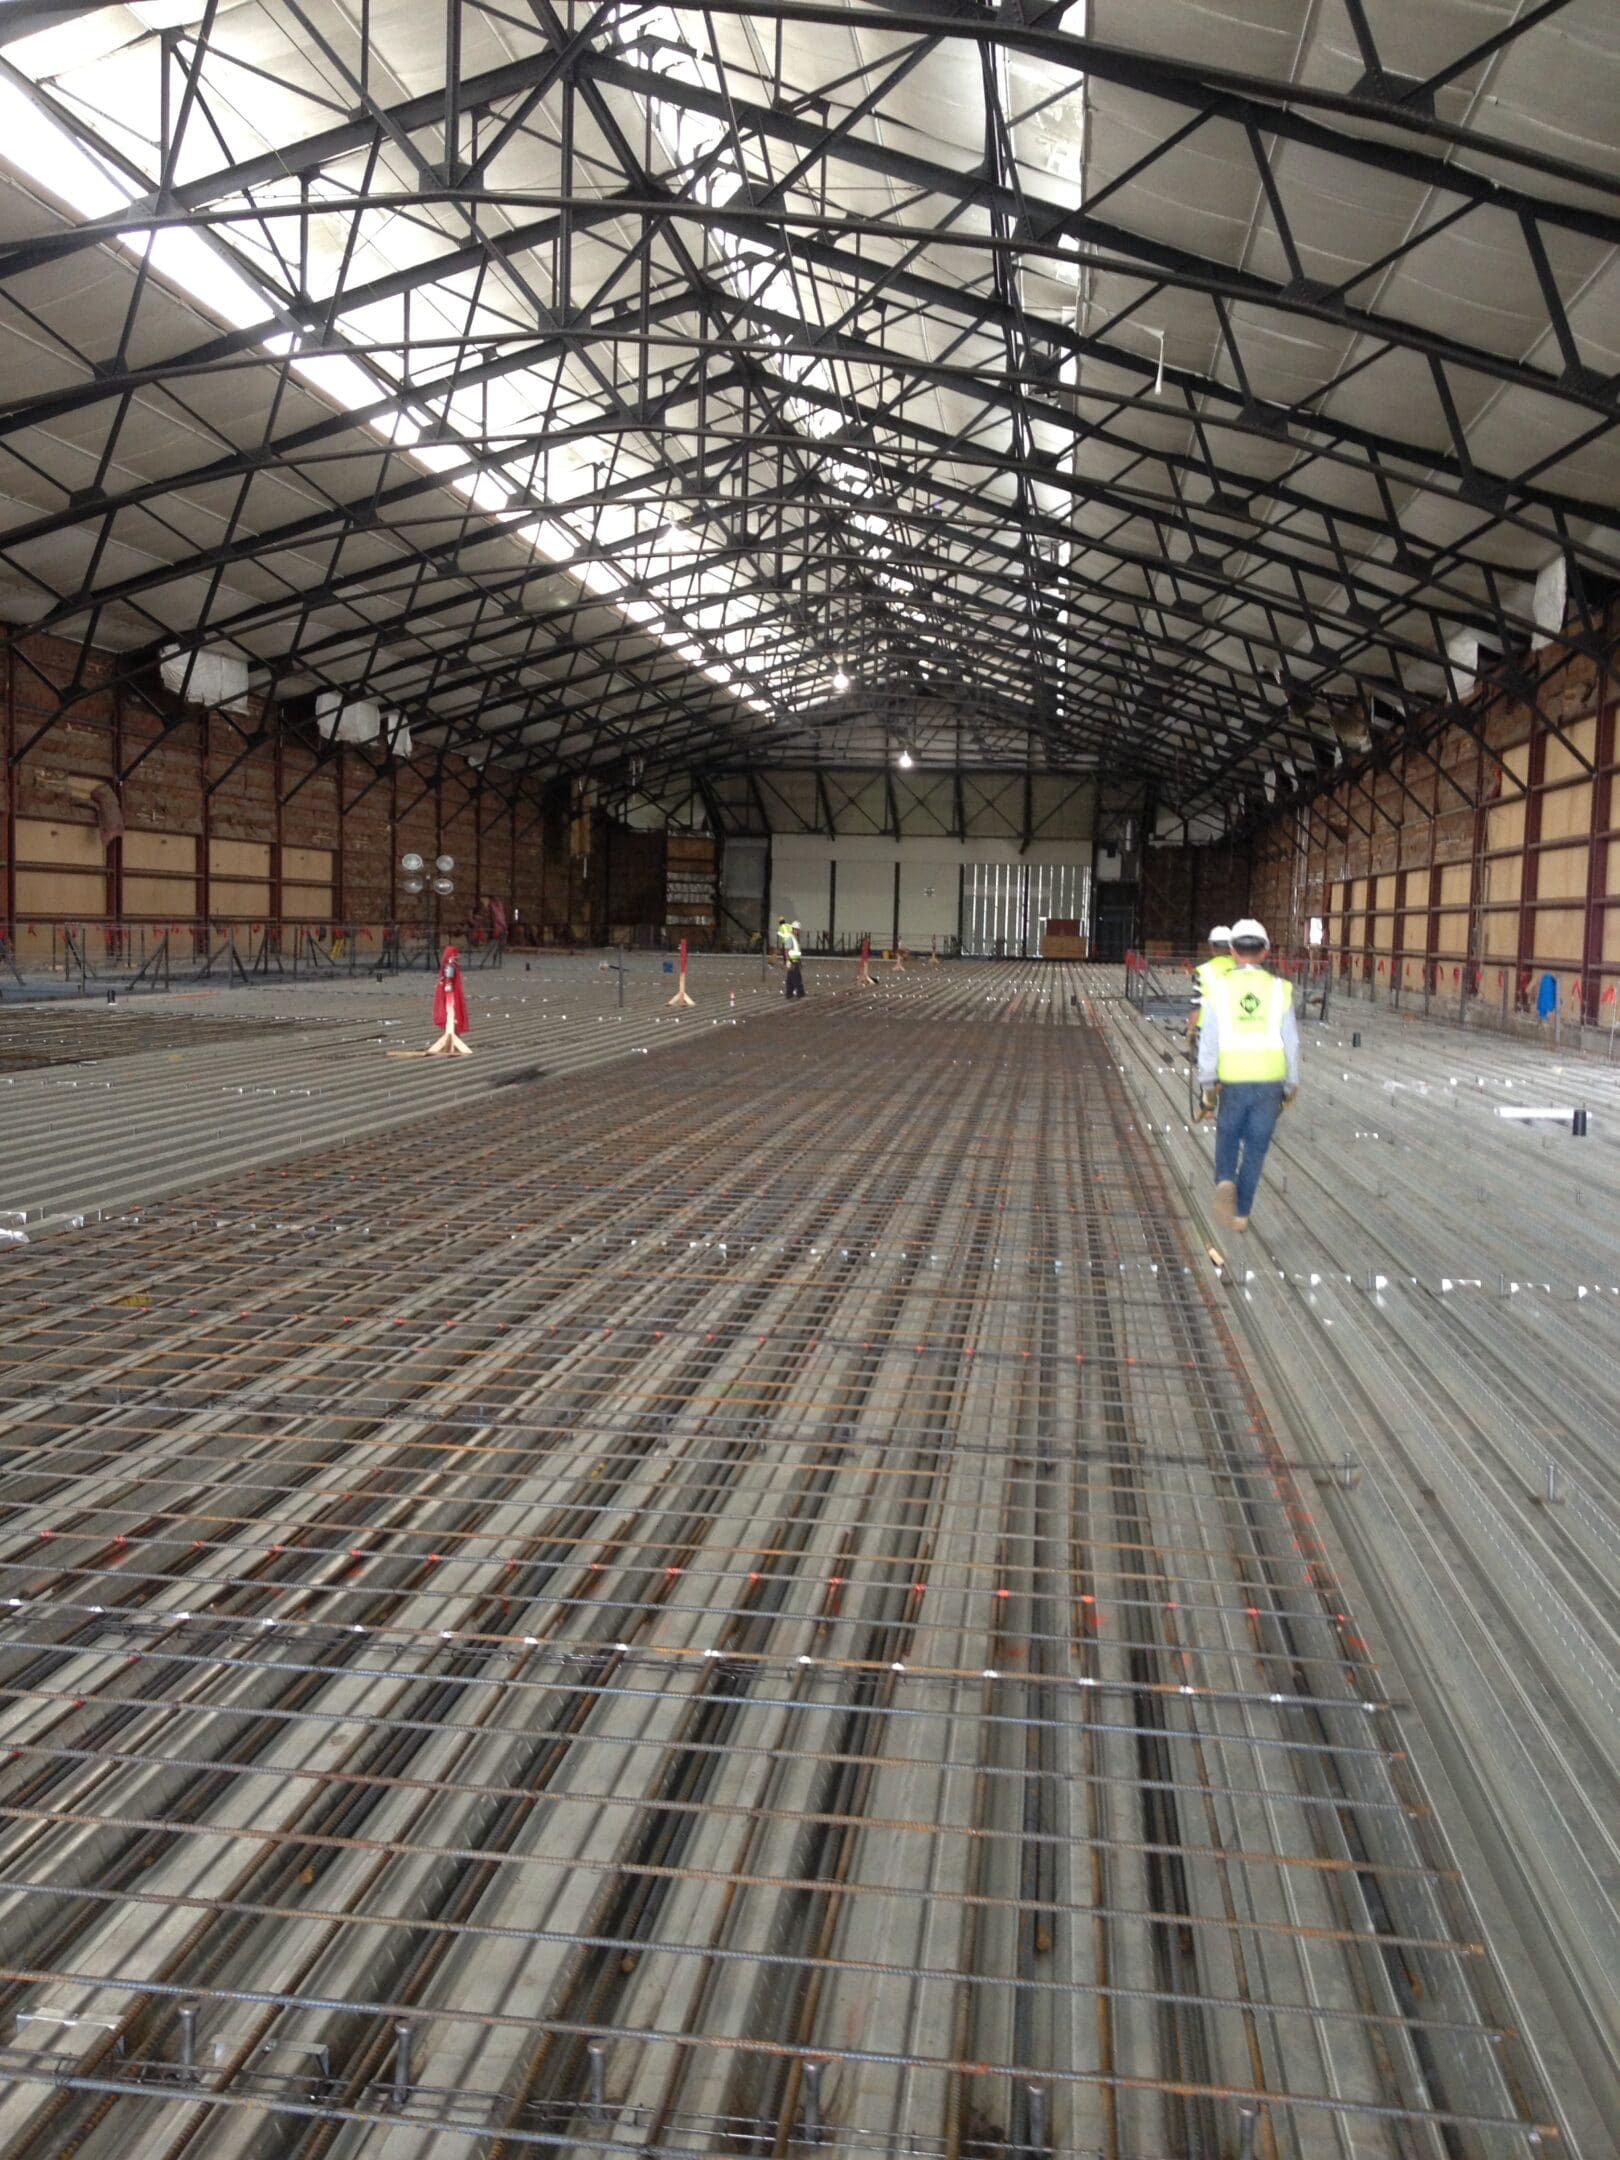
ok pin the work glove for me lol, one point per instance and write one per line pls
(1288, 1097)
(1211, 1097)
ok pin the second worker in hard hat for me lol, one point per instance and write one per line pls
(1220, 962)
(1248, 1050)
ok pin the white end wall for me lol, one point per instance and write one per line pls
(859, 896)
(800, 890)
(930, 885)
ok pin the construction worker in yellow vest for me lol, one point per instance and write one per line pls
(1248, 1051)
(1220, 962)
(793, 955)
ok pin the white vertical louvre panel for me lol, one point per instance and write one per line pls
(993, 910)
(1007, 905)
(1060, 892)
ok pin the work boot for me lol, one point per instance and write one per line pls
(1240, 1222)
(1226, 1204)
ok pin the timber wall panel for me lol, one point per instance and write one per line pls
(52, 846)
(219, 824)
(168, 854)
(1528, 880)
(75, 894)
(159, 899)
(307, 903)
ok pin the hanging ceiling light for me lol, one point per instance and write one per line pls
(905, 761)
(840, 681)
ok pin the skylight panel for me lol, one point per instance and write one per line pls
(196, 265)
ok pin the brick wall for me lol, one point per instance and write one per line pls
(634, 870)
(1186, 890)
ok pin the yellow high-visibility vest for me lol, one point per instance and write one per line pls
(1210, 973)
(791, 951)
(1249, 1008)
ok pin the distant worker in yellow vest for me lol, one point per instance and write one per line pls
(1220, 962)
(1248, 1050)
(793, 954)
(784, 930)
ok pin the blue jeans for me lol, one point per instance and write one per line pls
(1244, 1124)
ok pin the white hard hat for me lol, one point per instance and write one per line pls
(795, 925)
(1220, 935)
(1249, 932)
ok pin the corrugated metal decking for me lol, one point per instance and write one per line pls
(752, 1607)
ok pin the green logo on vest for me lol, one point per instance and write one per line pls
(1248, 1004)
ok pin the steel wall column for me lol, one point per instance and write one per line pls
(1529, 855)
(1403, 874)
(1436, 885)
(1192, 897)
(1311, 875)
(438, 847)
(205, 894)
(340, 880)
(1597, 860)
(478, 843)
(113, 850)
(1473, 939)
(276, 778)
(10, 895)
